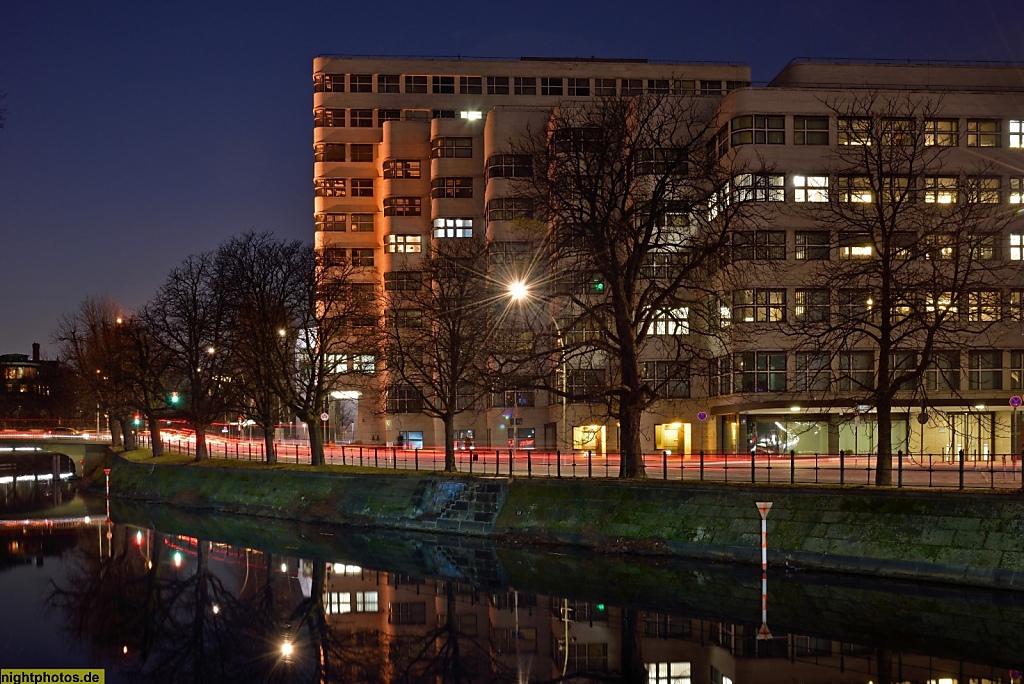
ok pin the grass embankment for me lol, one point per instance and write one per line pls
(145, 456)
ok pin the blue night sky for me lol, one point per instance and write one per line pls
(141, 132)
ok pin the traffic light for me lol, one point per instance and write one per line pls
(137, 420)
(174, 399)
(596, 284)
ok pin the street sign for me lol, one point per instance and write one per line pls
(702, 415)
(324, 416)
(1015, 401)
(763, 507)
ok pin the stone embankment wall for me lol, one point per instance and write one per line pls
(969, 538)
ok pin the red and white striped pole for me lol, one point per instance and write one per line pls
(763, 507)
(106, 471)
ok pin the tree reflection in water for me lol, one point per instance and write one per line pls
(157, 608)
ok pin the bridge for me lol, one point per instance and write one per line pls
(83, 454)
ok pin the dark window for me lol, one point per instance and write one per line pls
(810, 130)
(509, 166)
(403, 206)
(329, 152)
(812, 245)
(387, 83)
(329, 118)
(388, 115)
(360, 83)
(579, 87)
(525, 85)
(509, 209)
(362, 187)
(470, 85)
(443, 85)
(409, 281)
(550, 86)
(451, 147)
(415, 84)
(361, 118)
(362, 152)
(330, 221)
(497, 85)
(329, 83)
(759, 372)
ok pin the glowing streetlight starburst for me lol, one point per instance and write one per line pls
(518, 290)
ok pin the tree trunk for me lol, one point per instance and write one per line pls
(631, 658)
(115, 431)
(631, 466)
(156, 442)
(449, 443)
(883, 474)
(268, 444)
(201, 453)
(129, 434)
(316, 442)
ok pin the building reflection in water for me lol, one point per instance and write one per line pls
(152, 604)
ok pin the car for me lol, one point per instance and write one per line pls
(63, 432)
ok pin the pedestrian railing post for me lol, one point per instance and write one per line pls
(725, 466)
(961, 455)
(753, 463)
(558, 464)
(842, 466)
(590, 463)
(511, 457)
(899, 467)
(792, 466)
(529, 464)
(416, 456)
(702, 465)
(664, 465)
(992, 471)
(930, 469)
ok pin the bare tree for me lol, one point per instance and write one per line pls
(265, 281)
(434, 338)
(146, 368)
(187, 319)
(92, 344)
(633, 212)
(328, 336)
(914, 272)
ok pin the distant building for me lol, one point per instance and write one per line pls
(33, 388)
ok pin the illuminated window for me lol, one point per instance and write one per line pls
(983, 306)
(940, 246)
(898, 131)
(402, 168)
(330, 221)
(810, 188)
(1016, 246)
(853, 130)
(671, 322)
(759, 129)
(451, 187)
(811, 306)
(984, 190)
(810, 130)
(758, 306)
(451, 147)
(362, 223)
(329, 83)
(471, 115)
(1016, 131)
(329, 118)
(984, 133)
(1017, 190)
(812, 245)
(453, 228)
(855, 189)
(940, 189)
(942, 132)
(403, 206)
(759, 187)
(403, 244)
(330, 187)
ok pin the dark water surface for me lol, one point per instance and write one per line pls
(161, 595)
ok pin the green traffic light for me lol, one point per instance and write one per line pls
(175, 398)
(600, 606)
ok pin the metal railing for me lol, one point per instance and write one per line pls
(951, 471)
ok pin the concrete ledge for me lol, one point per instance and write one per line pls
(942, 536)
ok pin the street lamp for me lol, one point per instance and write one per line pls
(519, 291)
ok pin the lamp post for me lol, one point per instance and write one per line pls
(519, 291)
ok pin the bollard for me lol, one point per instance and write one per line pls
(558, 464)
(416, 455)
(992, 471)
(664, 465)
(899, 468)
(529, 464)
(590, 463)
(753, 463)
(701, 465)
(792, 466)
(842, 466)
(961, 455)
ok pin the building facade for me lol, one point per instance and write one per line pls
(409, 152)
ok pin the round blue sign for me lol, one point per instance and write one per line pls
(702, 416)
(1015, 401)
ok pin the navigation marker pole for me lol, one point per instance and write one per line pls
(106, 471)
(763, 507)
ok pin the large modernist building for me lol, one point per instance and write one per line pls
(405, 156)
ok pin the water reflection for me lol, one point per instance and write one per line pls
(315, 604)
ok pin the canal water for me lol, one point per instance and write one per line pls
(158, 595)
